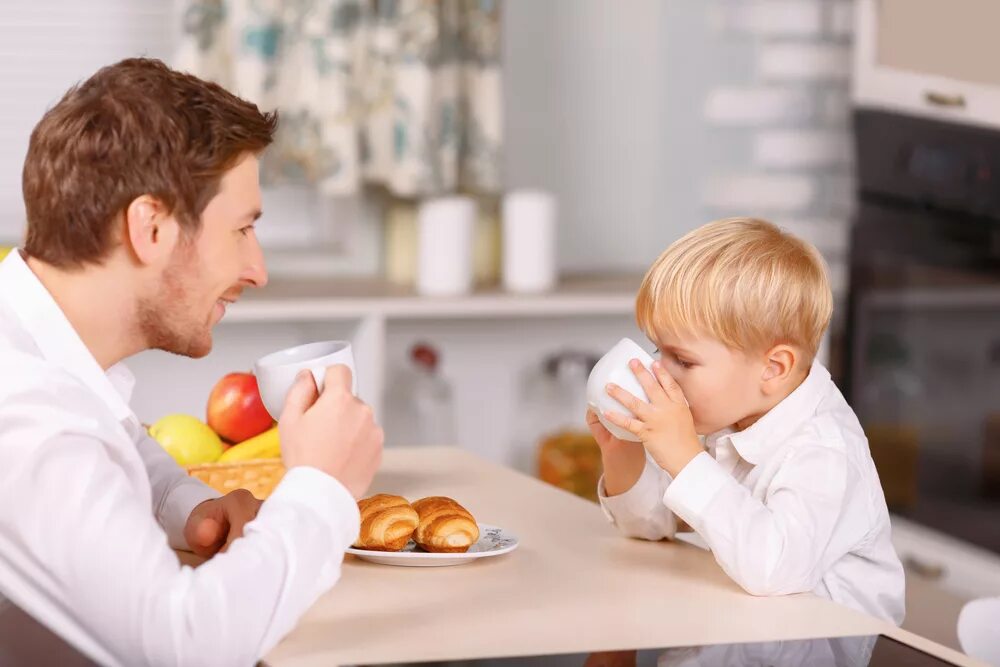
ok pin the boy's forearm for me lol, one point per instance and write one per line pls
(623, 466)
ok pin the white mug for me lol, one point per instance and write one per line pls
(613, 367)
(276, 371)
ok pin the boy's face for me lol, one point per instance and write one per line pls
(723, 386)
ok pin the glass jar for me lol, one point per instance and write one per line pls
(553, 441)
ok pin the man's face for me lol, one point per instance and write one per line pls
(208, 271)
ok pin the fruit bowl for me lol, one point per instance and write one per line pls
(258, 476)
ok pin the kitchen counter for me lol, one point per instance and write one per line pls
(573, 585)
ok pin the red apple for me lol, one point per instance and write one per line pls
(235, 410)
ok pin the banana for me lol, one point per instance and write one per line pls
(263, 446)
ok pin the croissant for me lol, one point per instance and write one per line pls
(445, 526)
(387, 523)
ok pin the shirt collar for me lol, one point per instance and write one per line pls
(756, 443)
(57, 340)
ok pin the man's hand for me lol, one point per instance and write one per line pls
(664, 425)
(215, 523)
(332, 431)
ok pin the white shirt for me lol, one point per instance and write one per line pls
(792, 504)
(90, 507)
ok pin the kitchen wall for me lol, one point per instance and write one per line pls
(648, 118)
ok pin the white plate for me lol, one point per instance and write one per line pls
(493, 541)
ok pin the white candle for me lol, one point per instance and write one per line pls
(529, 241)
(444, 246)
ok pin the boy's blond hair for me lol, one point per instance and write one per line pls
(741, 281)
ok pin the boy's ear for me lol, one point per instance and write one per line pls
(781, 360)
(149, 230)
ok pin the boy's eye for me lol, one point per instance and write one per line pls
(246, 230)
(683, 363)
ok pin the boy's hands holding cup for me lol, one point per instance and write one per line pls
(623, 460)
(664, 424)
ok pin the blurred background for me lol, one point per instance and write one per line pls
(471, 190)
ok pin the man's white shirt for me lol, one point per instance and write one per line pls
(91, 506)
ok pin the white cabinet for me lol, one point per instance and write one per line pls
(933, 58)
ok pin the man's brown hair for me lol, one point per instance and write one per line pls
(136, 127)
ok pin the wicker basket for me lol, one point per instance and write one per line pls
(259, 476)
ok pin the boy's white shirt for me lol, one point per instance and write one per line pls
(792, 504)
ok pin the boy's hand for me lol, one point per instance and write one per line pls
(623, 461)
(664, 425)
(605, 439)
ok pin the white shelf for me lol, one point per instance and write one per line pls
(311, 300)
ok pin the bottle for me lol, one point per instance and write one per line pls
(419, 405)
(401, 243)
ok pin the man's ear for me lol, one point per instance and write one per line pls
(779, 366)
(150, 231)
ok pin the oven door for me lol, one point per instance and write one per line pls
(923, 363)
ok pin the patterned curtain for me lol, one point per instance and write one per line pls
(406, 93)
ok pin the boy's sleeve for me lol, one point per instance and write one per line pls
(772, 546)
(640, 512)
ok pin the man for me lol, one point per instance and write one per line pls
(141, 191)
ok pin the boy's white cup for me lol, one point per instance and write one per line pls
(613, 367)
(276, 371)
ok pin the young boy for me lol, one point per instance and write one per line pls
(782, 487)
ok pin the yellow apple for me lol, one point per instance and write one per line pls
(188, 439)
(4, 251)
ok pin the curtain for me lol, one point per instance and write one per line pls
(404, 93)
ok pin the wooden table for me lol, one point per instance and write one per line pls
(574, 585)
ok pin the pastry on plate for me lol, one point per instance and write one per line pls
(387, 523)
(444, 526)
